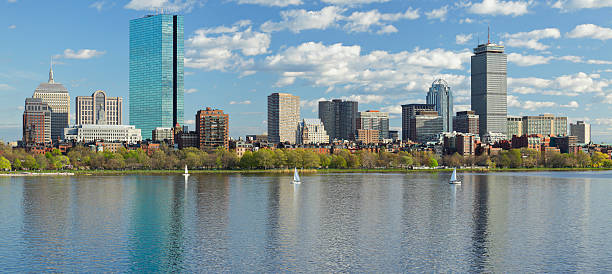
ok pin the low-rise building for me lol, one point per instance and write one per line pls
(368, 136)
(163, 134)
(466, 122)
(493, 137)
(107, 133)
(312, 131)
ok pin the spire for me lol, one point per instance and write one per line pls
(51, 81)
(488, 35)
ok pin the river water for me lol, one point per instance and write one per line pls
(499, 222)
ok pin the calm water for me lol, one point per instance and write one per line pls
(507, 222)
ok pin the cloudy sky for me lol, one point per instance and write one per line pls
(382, 53)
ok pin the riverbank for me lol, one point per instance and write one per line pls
(290, 171)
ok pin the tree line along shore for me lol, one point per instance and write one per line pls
(266, 160)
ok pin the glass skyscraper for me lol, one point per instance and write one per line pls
(156, 72)
(440, 95)
(490, 88)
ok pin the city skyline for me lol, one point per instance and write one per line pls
(549, 69)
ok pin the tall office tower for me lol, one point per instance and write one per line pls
(98, 109)
(425, 125)
(212, 125)
(374, 120)
(409, 111)
(581, 130)
(283, 117)
(312, 131)
(58, 99)
(466, 122)
(339, 118)
(36, 122)
(515, 126)
(156, 72)
(489, 87)
(545, 124)
(440, 95)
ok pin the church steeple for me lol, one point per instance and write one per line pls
(51, 81)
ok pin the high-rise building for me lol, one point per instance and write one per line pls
(426, 125)
(545, 124)
(212, 125)
(156, 72)
(339, 118)
(374, 120)
(283, 117)
(489, 87)
(466, 122)
(408, 112)
(312, 131)
(582, 131)
(515, 126)
(441, 97)
(98, 109)
(36, 122)
(58, 99)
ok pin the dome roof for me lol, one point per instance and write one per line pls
(440, 82)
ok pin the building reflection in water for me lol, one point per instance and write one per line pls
(480, 213)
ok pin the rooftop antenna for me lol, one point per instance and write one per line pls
(488, 34)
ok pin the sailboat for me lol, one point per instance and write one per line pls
(453, 180)
(186, 172)
(296, 177)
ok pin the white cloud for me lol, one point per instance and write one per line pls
(466, 21)
(247, 102)
(338, 65)
(532, 39)
(568, 85)
(271, 3)
(513, 102)
(191, 90)
(590, 31)
(99, 5)
(190, 122)
(224, 48)
(499, 7)
(361, 21)
(528, 60)
(298, 20)
(353, 2)
(572, 104)
(439, 14)
(80, 54)
(169, 5)
(12, 27)
(462, 39)
(566, 5)
(5, 87)
(458, 108)
(11, 1)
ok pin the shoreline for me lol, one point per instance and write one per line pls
(289, 171)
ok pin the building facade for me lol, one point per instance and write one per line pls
(36, 122)
(545, 124)
(312, 131)
(466, 122)
(490, 88)
(374, 120)
(163, 134)
(283, 117)
(56, 96)
(582, 131)
(426, 126)
(156, 81)
(339, 118)
(368, 136)
(408, 112)
(515, 126)
(107, 133)
(441, 97)
(212, 126)
(98, 109)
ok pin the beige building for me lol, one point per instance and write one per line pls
(56, 96)
(368, 136)
(98, 109)
(515, 126)
(545, 124)
(582, 131)
(283, 117)
(312, 131)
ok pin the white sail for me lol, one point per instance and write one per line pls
(454, 176)
(186, 171)
(296, 176)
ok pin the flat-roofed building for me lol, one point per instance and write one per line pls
(582, 131)
(283, 117)
(212, 125)
(312, 131)
(515, 126)
(36, 122)
(99, 109)
(408, 112)
(426, 126)
(545, 124)
(466, 122)
(374, 120)
(368, 136)
(106, 133)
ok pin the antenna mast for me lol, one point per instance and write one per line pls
(488, 35)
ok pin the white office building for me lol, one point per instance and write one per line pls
(106, 133)
(312, 131)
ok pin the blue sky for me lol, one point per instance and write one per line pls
(383, 53)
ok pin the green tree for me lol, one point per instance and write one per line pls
(324, 160)
(248, 160)
(5, 164)
(433, 163)
(310, 159)
(338, 161)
